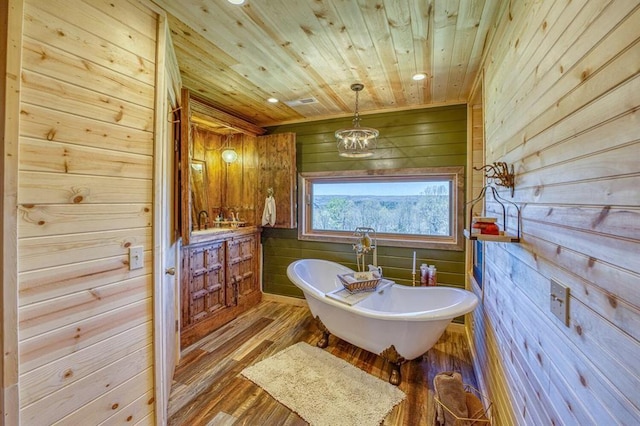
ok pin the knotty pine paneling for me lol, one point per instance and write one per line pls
(561, 90)
(41, 122)
(230, 187)
(330, 45)
(84, 198)
(67, 340)
(39, 89)
(418, 138)
(38, 382)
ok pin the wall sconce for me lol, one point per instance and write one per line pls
(229, 155)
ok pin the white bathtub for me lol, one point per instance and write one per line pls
(398, 322)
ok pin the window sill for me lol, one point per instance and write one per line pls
(444, 243)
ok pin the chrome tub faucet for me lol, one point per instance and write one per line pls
(206, 221)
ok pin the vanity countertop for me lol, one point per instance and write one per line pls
(213, 234)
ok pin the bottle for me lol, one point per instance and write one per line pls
(424, 274)
(433, 278)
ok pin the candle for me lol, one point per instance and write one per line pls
(413, 271)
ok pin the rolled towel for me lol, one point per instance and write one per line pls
(349, 278)
(450, 392)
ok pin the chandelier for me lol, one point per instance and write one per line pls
(356, 141)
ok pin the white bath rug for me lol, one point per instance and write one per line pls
(324, 389)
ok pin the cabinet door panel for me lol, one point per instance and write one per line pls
(277, 170)
(206, 284)
(242, 264)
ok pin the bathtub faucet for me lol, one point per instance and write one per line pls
(374, 268)
(206, 215)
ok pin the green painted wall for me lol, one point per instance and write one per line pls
(417, 138)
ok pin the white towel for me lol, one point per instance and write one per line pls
(269, 213)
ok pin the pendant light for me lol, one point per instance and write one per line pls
(229, 155)
(356, 142)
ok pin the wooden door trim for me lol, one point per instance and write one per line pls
(11, 63)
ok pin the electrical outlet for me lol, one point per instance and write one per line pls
(136, 257)
(559, 301)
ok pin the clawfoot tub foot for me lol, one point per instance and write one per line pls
(393, 357)
(395, 378)
(324, 340)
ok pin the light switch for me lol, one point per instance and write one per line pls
(136, 257)
(559, 301)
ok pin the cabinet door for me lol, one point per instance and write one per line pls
(277, 170)
(242, 266)
(207, 292)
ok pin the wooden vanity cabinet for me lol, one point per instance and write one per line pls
(220, 272)
(242, 266)
(220, 281)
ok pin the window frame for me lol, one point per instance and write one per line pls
(453, 174)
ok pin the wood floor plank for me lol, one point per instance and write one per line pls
(220, 353)
(209, 390)
(225, 391)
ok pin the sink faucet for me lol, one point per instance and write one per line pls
(206, 215)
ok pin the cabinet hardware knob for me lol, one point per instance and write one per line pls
(170, 271)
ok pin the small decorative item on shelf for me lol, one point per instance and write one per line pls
(485, 225)
(500, 174)
(501, 235)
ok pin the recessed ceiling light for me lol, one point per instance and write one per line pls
(236, 1)
(272, 100)
(419, 76)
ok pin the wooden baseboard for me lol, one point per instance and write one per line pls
(193, 333)
(455, 327)
(284, 299)
(479, 371)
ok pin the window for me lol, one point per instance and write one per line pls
(477, 248)
(407, 207)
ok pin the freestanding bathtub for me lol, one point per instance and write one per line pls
(397, 322)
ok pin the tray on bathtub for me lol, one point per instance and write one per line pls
(355, 284)
(345, 296)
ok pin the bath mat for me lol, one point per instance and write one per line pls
(324, 389)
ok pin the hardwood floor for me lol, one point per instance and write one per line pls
(209, 390)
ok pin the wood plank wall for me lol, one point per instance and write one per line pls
(477, 157)
(417, 138)
(562, 94)
(84, 197)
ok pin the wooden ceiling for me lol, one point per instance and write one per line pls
(235, 57)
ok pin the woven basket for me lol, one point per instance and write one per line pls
(358, 286)
(481, 416)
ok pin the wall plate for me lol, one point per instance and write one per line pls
(559, 301)
(136, 257)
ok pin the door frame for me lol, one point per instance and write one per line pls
(10, 62)
(166, 99)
